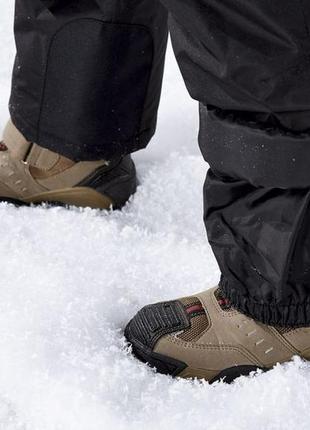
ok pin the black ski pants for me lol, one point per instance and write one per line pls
(87, 81)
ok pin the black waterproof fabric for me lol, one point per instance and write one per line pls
(88, 74)
(87, 84)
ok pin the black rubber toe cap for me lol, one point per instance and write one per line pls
(149, 325)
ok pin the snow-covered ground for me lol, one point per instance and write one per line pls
(70, 280)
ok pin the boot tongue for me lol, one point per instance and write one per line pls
(15, 142)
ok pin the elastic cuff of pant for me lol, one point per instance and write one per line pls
(263, 157)
(293, 315)
(78, 151)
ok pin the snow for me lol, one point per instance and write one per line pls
(71, 279)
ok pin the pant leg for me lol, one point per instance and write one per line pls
(88, 74)
(248, 64)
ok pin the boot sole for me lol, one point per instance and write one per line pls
(78, 196)
(170, 366)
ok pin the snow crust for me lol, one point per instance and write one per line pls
(71, 279)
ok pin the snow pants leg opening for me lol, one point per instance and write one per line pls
(247, 63)
(87, 75)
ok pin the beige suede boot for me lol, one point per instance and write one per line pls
(204, 337)
(32, 174)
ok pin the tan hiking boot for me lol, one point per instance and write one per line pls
(203, 337)
(32, 174)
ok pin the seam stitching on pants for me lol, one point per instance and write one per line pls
(49, 53)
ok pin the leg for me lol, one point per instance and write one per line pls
(251, 75)
(247, 64)
(88, 74)
(85, 94)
